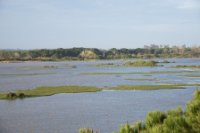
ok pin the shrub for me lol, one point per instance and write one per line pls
(126, 129)
(21, 95)
(154, 118)
(11, 95)
(176, 125)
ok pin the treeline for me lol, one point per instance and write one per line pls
(151, 51)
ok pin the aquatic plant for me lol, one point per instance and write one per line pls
(87, 130)
(188, 66)
(141, 63)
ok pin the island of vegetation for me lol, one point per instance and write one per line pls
(172, 121)
(152, 51)
(48, 91)
(188, 66)
(141, 63)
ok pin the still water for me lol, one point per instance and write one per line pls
(103, 111)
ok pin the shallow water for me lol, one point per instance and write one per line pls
(15, 76)
(104, 111)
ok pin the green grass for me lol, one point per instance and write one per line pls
(152, 87)
(48, 91)
(141, 63)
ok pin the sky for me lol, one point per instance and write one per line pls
(35, 24)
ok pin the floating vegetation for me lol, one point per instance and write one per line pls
(165, 61)
(87, 130)
(106, 65)
(143, 73)
(141, 63)
(38, 67)
(188, 66)
(48, 91)
(142, 79)
(152, 87)
(192, 75)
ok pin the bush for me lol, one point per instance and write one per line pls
(11, 95)
(154, 118)
(21, 95)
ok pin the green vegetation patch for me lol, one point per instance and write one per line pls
(143, 73)
(48, 91)
(152, 87)
(141, 63)
(188, 66)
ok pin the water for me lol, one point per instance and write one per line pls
(104, 111)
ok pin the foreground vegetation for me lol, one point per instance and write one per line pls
(152, 51)
(172, 121)
(48, 91)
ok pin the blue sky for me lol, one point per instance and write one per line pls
(30, 24)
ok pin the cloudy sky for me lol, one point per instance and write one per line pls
(30, 24)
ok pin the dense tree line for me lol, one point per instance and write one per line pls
(94, 53)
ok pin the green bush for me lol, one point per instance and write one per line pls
(154, 118)
(176, 125)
